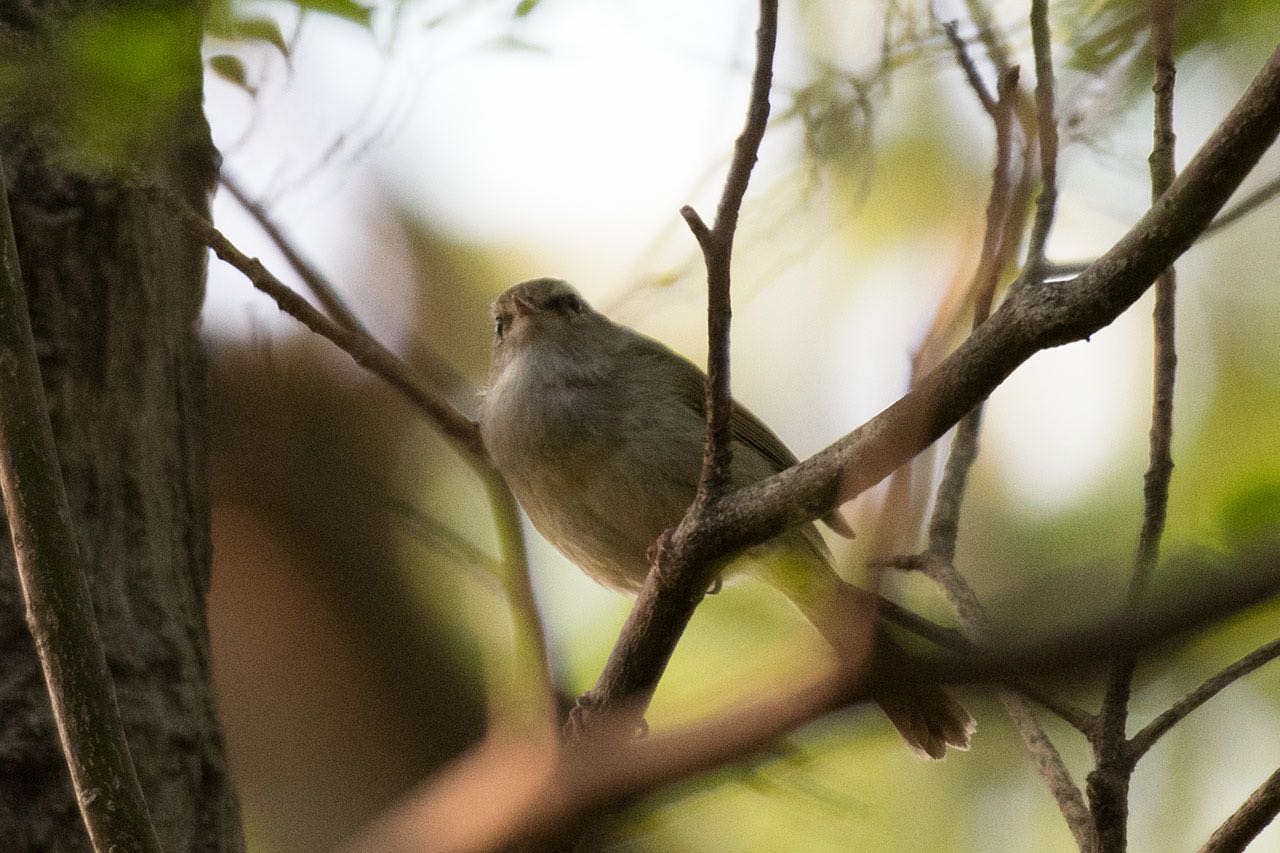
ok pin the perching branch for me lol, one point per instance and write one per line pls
(1029, 320)
(59, 607)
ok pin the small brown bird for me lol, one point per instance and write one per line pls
(598, 430)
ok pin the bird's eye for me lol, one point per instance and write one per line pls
(500, 325)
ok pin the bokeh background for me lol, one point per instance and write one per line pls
(427, 154)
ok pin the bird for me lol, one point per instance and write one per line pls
(598, 430)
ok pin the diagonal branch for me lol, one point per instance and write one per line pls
(1251, 818)
(1029, 320)
(364, 350)
(350, 335)
(1140, 743)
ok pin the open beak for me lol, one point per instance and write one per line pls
(523, 306)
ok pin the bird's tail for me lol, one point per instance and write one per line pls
(926, 717)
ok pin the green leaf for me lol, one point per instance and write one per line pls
(1252, 512)
(524, 7)
(231, 69)
(346, 9)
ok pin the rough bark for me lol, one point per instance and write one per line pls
(114, 292)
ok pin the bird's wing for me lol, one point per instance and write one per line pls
(690, 383)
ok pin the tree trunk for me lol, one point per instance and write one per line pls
(114, 291)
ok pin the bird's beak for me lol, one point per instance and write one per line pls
(523, 306)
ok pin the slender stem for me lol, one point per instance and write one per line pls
(320, 286)
(59, 606)
(1109, 783)
(717, 251)
(364, 350)
(1140, 743)
(970, 68)
(1048, 132)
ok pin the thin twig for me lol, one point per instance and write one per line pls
(680, 563)
(1252, 202)
(59, 606)
(1047, 123)
(1250, 819)
(364, 350)
(319, 285)
(1109, 782)
(971, 74)
(1140, 743)
(717, 251)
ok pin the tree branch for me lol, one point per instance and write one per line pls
(1251, 818)
(1140, 743)
(1109, 782)
(1029, 320)
(1047, 122)
(59, 606)
(681, 558)
(365, 351)
(717, 251)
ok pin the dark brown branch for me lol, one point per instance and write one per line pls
(681, 558)
(1029, 320)
(1154, 730)
(1251, 818)
(1047, 124)
(59, 607)
(717, 251)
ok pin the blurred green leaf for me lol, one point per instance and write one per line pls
(524, 7)
(231, 69)
(233, 28)
(347, 9)
(1251, 513)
